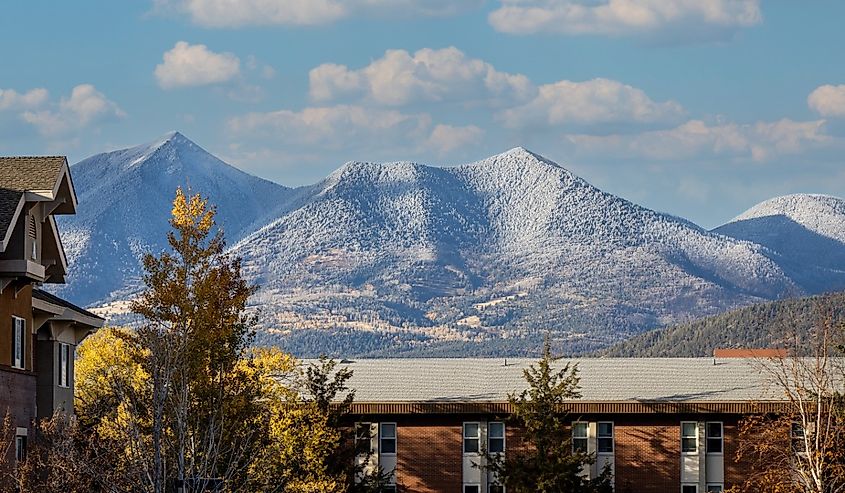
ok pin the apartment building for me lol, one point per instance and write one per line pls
(38, 331)
(659, 424)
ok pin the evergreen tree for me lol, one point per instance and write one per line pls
(547, 463)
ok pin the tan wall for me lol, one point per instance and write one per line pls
(20, 306)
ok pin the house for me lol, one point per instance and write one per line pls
(659, 424)
(38, 331)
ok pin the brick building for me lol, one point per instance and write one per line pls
(38, 331)
(660, 424)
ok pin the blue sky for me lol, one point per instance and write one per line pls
(699, 108)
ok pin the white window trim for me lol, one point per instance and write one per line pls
(21, 365)
(721, 486)
(694, 485)
(504, 436)
(464, 487)
(64, 366)
(395, 438)
(692, 452)
(586, 437)
(721, 438)
(464, 439)
(612, 437)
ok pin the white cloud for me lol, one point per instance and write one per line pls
(332, 127)
(624, 17)
(828, 100)
(228, 13)
(86, 105)
(597, 101)
(13, 100)
(399, 78)
(447, 138)
(195, 65)
(760, 141)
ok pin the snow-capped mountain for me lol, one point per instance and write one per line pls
(481, 258)
(501, 248)
(806, 232)
(125, 199)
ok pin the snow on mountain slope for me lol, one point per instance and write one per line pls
(125, 199)
(508, 246)
(805, 232)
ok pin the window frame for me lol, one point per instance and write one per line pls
(714, 485)
(20, 448)
(585, 438)
(18, 341)
(64, 365)
(471, 485)
(690, 485)
(694, 451)
(490, 437)
(491, 485)
(708, 437)
(382, 438)
(599, 438)
(465, 438)
(359, 440)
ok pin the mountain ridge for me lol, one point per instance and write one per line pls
(380, 258)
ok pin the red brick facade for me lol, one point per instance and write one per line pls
(647, 453)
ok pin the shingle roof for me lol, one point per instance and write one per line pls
(9, 200)
(602, 380)
(30, 173)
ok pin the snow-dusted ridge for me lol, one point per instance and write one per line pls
(404, 256)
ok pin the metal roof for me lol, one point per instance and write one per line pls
(602, 379)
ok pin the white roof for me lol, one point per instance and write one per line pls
(602, 379)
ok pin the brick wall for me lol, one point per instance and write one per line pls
(647, 455)
(429, 454)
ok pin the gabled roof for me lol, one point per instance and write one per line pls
(67, 310)
(27, 173)
(11, 202)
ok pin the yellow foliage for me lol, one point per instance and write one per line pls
(191, 212)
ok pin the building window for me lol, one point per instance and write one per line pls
(472, 488)
(714, 488)
(390, 488)
(472, 438)
(714, 437)
(495, 488)
(363, 438)
(579, 437)
(797, 435)
(387, 435)
(20, 448)
(495, 437)
(64, 364)
(689, 437)
(605, 438)
(18, 342)
(689, 488)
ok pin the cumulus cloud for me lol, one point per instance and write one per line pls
(597, 101)
(624, 17)
(332, 127)
(195, 65)
(447, 138)
(13, 100)
(347, 128)
(86, 105)
(400, 78)
(226, 13)
(760, 141)
(828, 100)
